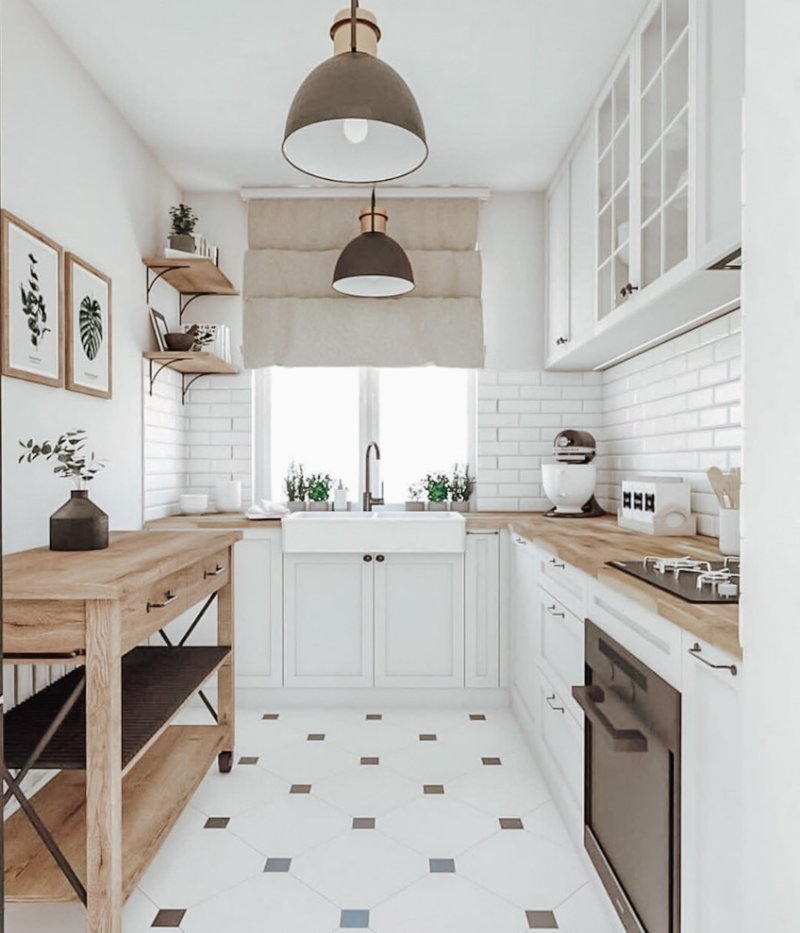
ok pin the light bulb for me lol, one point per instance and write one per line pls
(355, 130)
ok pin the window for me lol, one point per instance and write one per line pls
(422, 419)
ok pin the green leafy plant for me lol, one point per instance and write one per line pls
(295, 483)
(461, 484)
(184, 220)
(90, 320)
(415, 492)
(33, 304)
(319, 487)
(69, 450)
(437, 486)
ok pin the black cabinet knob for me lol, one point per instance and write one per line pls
(380, 558)
(368, 557)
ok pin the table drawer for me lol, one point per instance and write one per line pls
(147, 610)
(566, 583)
(209, 575)
(561, 641)
(561, 736)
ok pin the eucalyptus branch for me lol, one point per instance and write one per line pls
(69, 452)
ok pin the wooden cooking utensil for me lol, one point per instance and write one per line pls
(719, 484)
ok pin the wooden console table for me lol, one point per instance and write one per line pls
(125, 773)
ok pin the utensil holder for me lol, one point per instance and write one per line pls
(729, 534)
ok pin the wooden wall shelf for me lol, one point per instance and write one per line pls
(191, 278)
(188, 364)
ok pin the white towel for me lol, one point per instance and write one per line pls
(266, 509)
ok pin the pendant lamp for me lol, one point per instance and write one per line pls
(354, 119)
(373, 265)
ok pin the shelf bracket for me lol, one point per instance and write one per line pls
(185, 299)
(188, 384)
(182, 642)
(157, 373)
(162, 271)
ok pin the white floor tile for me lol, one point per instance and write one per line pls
(432, 762)
(500, 790)
(290, 826)
(367, 791)
(438, 826)
(244, 787)
(308, 762)
(138, 913)
(583, 912)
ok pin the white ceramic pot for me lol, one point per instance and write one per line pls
(729, 536)
(228, 495)
(413, 505)
(437, 506)
(569, 486)
(195, 503)
(296, 506)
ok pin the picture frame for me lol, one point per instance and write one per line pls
(160, 328)
(31, 303)
(88, 328)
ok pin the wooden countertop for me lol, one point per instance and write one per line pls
(133, 560)
(588, 543)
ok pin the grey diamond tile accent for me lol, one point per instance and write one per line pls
(169, 918)
(477, 717)
(491, 761)
(217, 822)
(300, 789)
(433, 788)
(354, 920)
(442, 866)
(541, 920)
(370, 760)
(248, 760)
(374, 717)
(427, 737)
(316, 737)
(278, 864)
(508, 822)
(363, 822)
(270, 716)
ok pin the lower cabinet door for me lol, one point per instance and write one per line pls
(482, 609)
(561, 737)
(525, 607)
(419, 620)
(258, 603)
(327, 620)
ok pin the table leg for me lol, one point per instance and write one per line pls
(103, 768)
(225, 678)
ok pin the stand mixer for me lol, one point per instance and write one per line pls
(569, 483)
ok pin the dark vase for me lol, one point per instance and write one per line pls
(79, 525)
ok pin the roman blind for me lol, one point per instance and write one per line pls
(293, 317)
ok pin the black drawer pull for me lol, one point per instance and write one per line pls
(169, 597)
(213, 573)
(695, 650)
(555, 709)
(552, 611)
(557, 564)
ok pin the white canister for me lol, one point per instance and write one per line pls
(729, 534)
(228, 495)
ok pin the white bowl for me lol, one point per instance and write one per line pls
(193, 503)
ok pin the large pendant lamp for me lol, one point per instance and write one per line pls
(354, 119)
(373, 265)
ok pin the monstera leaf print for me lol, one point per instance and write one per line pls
(91, 325)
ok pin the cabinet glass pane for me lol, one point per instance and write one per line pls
(676, 157)
(676, 19)
(604, 235)
(651, 48)
(651, 183)
(604, 180)
(622, 277)
(622, 149)
(676, 230)
(622, 96)
(622, 227)
(604, 125)
(604, 290)
(651, 116)
(651, 251)
(676, 81)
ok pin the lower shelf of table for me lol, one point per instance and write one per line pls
(154, 793)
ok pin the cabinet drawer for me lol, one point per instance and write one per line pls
(561, 737)
(208, 575)
(147, 610)
(566, 583)
(561, 638)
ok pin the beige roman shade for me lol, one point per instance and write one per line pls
(293, 317)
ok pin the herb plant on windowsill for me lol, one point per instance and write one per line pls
(296, 487)
(437, 487)
(319, 492)
(461, 486)
(414, 502)
(79, 525)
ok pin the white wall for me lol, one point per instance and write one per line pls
(75, 170)
(771, 506)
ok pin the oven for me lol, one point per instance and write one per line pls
(632, 795)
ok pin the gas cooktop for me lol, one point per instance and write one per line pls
(696, 581)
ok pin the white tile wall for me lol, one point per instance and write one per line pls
(519, 415)
(675, 410)
(166, 451)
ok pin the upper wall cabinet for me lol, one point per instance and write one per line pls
(649, 196)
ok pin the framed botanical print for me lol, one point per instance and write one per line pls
(88, 328)
(31, 303)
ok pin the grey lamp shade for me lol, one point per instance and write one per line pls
(373, 265)
(355, 86)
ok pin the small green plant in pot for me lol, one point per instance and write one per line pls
(437, 487)
(79, 525)
(181, 235)
(319, 492)
(296, 487)
(414, 502)
(461, 486)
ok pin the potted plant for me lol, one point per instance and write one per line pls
(296, 488)
(181, 235)
(461, 486)
(79, 525)
(414, 502)
(437, 486)
(319, 491)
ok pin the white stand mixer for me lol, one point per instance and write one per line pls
(569, 483)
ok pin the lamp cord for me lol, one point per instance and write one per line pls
(372, 216)
(353, 22)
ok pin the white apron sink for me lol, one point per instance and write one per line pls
(374, 532)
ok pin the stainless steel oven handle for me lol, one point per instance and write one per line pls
(622, 740)
(695, 652)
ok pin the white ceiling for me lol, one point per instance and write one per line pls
(503, 85)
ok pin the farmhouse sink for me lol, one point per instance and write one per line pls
(374, 532)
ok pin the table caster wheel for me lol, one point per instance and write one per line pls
(225, 761)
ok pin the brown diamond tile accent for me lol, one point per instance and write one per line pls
(433, 788)
(508, 822)
(248, 760)
(491, 761)
(300, 789)
(169, 918)
(316, 737)
(427, 737)
(477, 717)
(370, 760)
(541, 920)
(374, 717)
(270, 715)
(217, 822)
(363, 822)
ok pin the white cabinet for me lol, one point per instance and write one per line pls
(419, 620)
(258, 605)
(711, 790)
(524, 612)
(558, 224)
(482, 609)
(328, 620)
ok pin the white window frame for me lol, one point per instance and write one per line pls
(368, 428)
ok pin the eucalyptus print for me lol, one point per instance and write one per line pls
(90, 320)
(33, 304)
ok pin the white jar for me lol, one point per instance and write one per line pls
(729, 534)
(228, 495)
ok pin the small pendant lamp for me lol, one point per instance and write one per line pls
(354, 119)
(373, 265)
